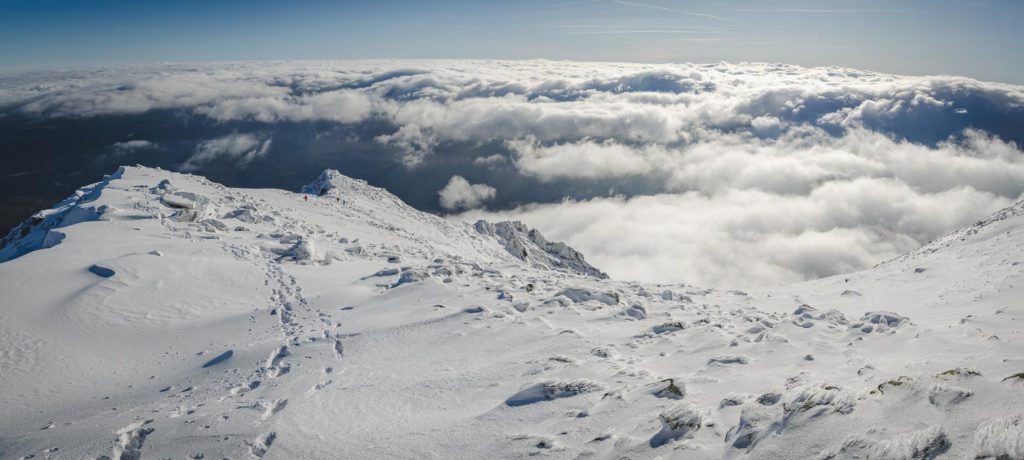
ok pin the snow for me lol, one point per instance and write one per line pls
(157, 314)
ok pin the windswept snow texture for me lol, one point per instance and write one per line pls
(341, 323)
(723, 175)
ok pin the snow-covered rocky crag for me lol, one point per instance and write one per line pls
(157, 315)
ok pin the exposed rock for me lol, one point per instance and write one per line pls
(530, 246)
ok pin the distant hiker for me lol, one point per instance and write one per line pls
(305, 197)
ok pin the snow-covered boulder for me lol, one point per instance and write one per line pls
(583, 295)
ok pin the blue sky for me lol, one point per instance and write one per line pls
(979, 38)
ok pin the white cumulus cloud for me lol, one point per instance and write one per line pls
(241, 148)
(134, 145)
(460, 194)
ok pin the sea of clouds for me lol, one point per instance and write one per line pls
(721, 175)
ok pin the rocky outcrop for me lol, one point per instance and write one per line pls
(530, 246)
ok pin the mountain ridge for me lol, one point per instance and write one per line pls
(40, 231)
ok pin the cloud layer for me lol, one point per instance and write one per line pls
(723, 174)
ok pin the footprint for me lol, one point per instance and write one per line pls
(318, 387)
(274, 367)
(238, 389)
(262, 444)
(130, 440)
(272, 407)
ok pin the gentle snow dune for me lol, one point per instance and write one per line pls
(159, 315)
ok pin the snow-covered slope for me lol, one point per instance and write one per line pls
(158, 315)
